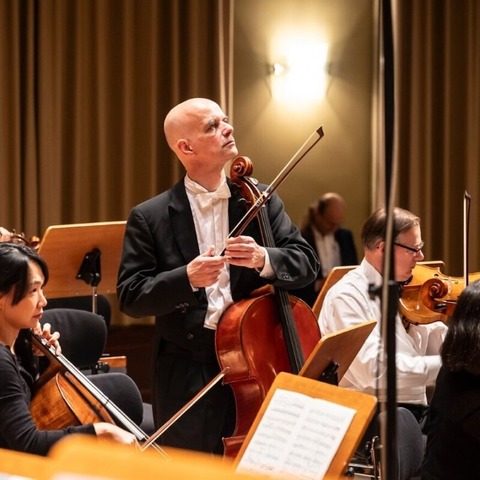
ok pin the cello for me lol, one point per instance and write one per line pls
(65, 396)
(259, 337)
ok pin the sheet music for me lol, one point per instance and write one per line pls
(297, 436)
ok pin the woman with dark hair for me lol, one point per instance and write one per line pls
(453, 424)
(23, 274)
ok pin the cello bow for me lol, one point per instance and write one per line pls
(263, 198)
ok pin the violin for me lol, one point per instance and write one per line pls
(430, 295)
(33, 242)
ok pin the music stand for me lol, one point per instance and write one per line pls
(364, 405)
(82, 258)
(334, 353)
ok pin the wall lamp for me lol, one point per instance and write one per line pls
(301, 74)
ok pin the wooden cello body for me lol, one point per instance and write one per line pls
(62, 402)
(259, 337)
(251, 342)
(66, 397)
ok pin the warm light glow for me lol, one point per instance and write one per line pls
(278, 68)
(303, 75)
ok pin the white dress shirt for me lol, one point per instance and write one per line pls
(210, 216)
(328, 251)
(348, 303)
(211, 227)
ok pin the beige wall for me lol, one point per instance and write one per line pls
(270, 133)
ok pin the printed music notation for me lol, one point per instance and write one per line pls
(297, 436)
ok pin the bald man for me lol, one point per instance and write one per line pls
(333, 244)
(172, 268)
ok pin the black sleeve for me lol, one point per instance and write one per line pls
(17, 428)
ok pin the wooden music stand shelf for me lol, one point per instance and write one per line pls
(334, 353)
(363, 404)
(66, 248)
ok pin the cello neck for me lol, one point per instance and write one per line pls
(292, 341)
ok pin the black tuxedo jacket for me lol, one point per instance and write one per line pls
(160, 241)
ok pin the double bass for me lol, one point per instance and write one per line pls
(259, 337)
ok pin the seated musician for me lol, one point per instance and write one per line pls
(349, 303)
(22, 278)
(453, 433)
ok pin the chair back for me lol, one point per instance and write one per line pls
(335, 274)
(410, 443)
(83, 334)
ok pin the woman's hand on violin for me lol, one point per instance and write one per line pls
(51, 338)
(244, 251)
(205, 269)
(111, 431)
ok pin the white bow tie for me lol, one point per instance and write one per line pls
(206, 199)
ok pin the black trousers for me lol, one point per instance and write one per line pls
(207, 422)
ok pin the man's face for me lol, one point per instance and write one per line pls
(407, 250)
(330, 220)
(210, 135)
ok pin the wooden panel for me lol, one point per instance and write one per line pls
(136, 343)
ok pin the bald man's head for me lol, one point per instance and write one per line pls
(182, 118)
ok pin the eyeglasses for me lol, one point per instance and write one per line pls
(414, 250)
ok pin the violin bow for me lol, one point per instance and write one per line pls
(466, 231)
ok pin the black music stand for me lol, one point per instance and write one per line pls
(334, 353)
(85, 251)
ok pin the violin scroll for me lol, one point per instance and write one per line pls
(430, 295)
(14, 237)
(436, 295)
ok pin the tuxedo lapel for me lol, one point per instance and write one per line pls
(182, 223)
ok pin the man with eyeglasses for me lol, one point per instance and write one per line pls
(350, 302)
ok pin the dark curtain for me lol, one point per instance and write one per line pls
(84, 89)
(438, 122)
